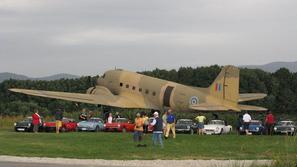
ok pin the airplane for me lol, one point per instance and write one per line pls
(125, 89)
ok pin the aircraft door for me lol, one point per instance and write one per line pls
(167, 95)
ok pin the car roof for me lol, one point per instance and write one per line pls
(184, 120)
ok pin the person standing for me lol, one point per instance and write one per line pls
(269, 123)
(164, 119)
(200, 126)
(117, 115)
(145, 122)
(109, 119)
(246, 122)
(170, 124)
(158, 130)
(36, 121)
(138, 130)
(59, 118)
(83, 115)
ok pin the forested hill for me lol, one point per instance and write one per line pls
(281, 87)
(6, 76)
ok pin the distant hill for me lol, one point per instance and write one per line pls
(274, 66)
(6, 76)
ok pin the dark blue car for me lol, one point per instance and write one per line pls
(255, 127)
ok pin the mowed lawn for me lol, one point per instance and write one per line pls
(120, 146)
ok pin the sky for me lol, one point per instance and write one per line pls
(87, 37)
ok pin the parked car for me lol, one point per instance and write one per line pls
(26, 125)
(255, 127)
(67, 125)
(285, 127)
(93, 124)
(217, 127)
(185, 126)
(120, 125)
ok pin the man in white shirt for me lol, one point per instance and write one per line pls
(109, 119)
(246, 122)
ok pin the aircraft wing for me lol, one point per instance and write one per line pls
(103, 97)
(251, 96)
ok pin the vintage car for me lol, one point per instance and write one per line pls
(93, 124)
(120, 125)
(285, 127)
(26, 125)
(67, 125)
(217, 127)
(185, 126)
(255, 127)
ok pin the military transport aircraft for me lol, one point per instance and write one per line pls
(124, 89)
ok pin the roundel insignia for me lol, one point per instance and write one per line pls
(194, 100)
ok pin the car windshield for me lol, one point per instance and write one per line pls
(255, 123)
(122, 120)
(217, 122)
(28, 120)
(282, 123)
(184, 121)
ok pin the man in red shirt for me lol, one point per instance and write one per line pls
(269, 123)
(36, 121)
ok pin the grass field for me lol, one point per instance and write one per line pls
(120, 146)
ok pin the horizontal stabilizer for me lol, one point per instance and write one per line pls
(251, 108)
(208, 107)
(251, 96)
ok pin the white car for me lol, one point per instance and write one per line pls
(216, 127)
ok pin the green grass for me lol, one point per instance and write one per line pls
(120, 146)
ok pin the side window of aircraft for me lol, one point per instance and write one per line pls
(140, 89)
(154, 93)
(127, 86)
(147, 91)
(121, 84)
(133, 88)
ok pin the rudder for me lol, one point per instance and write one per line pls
(226, 85)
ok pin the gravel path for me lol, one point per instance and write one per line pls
(48, 162)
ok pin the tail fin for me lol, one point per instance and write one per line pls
(226, 85)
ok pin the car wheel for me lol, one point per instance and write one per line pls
(124, 130)
(192, 131)
(97, 129)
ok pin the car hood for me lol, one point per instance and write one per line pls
(213, 126)
(85, 123)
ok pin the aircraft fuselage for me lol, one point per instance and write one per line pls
(156, 92)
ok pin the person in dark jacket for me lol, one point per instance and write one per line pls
(158, 130)
(59, 118)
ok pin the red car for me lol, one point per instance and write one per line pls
(120, 125)
(67, 125)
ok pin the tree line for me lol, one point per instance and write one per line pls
(281, 87)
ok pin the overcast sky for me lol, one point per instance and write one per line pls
(88, 37)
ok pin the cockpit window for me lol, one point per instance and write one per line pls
(103, 76)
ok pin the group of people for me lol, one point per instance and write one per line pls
(161, 126)
(36, 120)
(246, 119)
